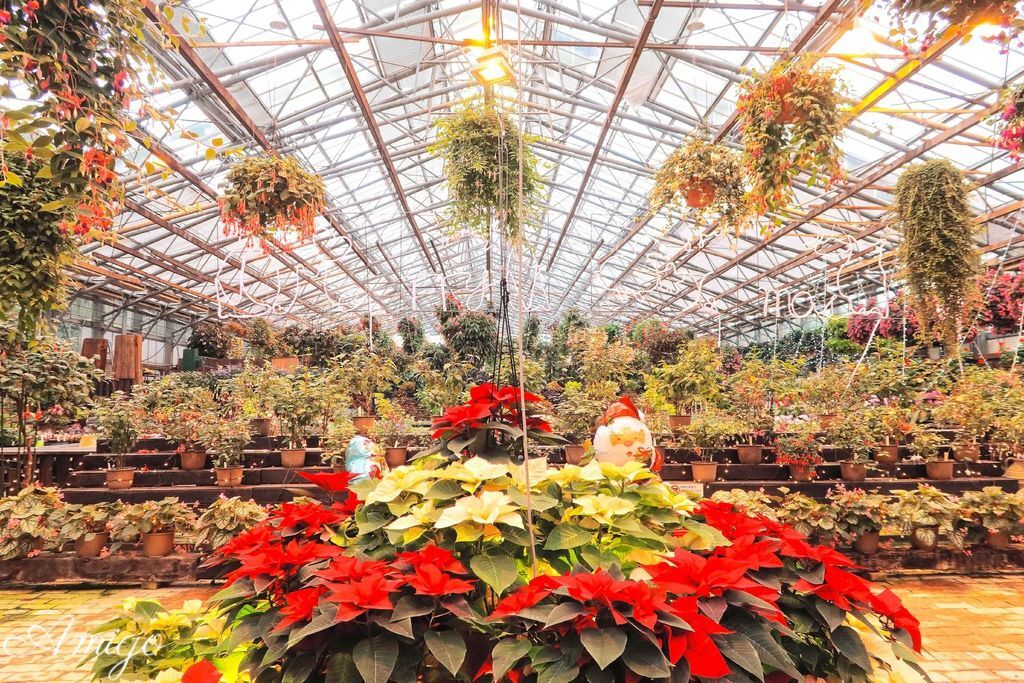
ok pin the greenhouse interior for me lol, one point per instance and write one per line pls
(538, 341)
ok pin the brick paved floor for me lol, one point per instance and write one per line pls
(973, 628)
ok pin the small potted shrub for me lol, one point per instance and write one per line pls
(392, 425)
(706, 435)
(924, 513)
(991, 516)
(693, 381)
(253, 391)
(226, 436)
(753, 391)
(973, 409)
(225, 519)
(850, 434)
(888, 425)
(155, 522)
(808, 516)
(861, 516)
(297, 413)
(577, 410)
(441, 389)
(827, 393)
(89, 526)
(798, 450)
(367, 374)
(29, 522)
(929, 447)
(118, 419)
(191, 407)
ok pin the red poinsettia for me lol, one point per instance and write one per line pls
(201, 672)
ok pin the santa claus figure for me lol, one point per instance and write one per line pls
(623, 436)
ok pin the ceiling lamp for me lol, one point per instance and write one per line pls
(493, 67)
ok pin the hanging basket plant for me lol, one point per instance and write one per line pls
(703, 180)
(271, 197)
(791, 123)
(939, 258)
(77, 62)
(943, 14)
(1011, 122)
(483, 154)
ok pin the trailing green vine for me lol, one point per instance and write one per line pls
(938, 255)
(704, 180)
(791, 123)
(480, 146)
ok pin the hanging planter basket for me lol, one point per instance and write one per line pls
(483, 152)
(1010, 123)
(790, 123)
(271, 198)
(947, 14)
(704, 181)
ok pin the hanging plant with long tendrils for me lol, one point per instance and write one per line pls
(703, 180)
(480, 147)
(939, 258)
(269, 197)
(943, 15)
(791, 123)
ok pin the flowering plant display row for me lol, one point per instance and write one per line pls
(325, 592)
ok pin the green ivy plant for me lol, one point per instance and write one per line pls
(483, 152)
(939, 258)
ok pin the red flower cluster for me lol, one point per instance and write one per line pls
(488, 402)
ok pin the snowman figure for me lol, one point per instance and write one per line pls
(362, 458)
(623, 436)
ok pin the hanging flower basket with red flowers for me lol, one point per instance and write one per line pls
(790, 121)
(1011, 122)
(271, 197)
(944, 15)
(490, 425)
(706, 178)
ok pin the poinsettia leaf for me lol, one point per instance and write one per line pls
(833, 616)
(444, 490)
(566, 536)
(411, 606)
(375, 658)
(505, 654)
(848, 642)
(769, 650)
(400, 627)
(448, 647)
(496, 569)
(341, 668)
(645, 659)
(605, 645)
(739, 650)
(563, 612)
(324, 620)
(299, 668)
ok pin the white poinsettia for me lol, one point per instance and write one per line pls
(399, 481)
(422, 515)
(539, 470)
(474, 471)
(565, 476)
(479, 515)
(601, 508)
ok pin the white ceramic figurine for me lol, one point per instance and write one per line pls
(623, 436)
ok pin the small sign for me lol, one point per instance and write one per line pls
(687, 487)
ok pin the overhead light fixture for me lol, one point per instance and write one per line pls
(493, 67)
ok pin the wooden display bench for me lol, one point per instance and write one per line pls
(115, 569)
(906, 561)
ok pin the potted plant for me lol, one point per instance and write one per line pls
(155, 522)
(991, 516)
(948, 15)
(297, 412)
(809, 516)
(752, 392)
(938, 254)
(577, 411)
(225, 519)
(973, 408)
(367, 374)
(118, 419)
(860, 516)
(797, 448)
(790, 122)
(226, 436)
(253, 391)
(924, 513)
(888, 424)
(850, 433)
(88, 526)
(693, 381)
(706, 435)
(267, 197)
(335, 443)
(28, 520)
(829, 392)
(707, 177)
(930, 447)
(490, 170)
(392, 425)
(181, 417)
(1011, 122)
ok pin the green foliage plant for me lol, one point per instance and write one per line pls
(695, 379)
(119, 420)
(26, 526)
(224, 519)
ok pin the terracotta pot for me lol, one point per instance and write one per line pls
(749, 454)
(229, 477)
(826, 420)
(967, 451)
(939, 469)
(801, 472)
(573, 454)
(887, 454)
(93, 546)
(396, 456)
(704, 471)
(999, 540)
(193, 460)
(867, 542)
(700, 192)
(158, 544)
(260, 426)
(364, 423)
(293, 457)
(677, 422)
(120, 478)
(853, 471)
(924, 537)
